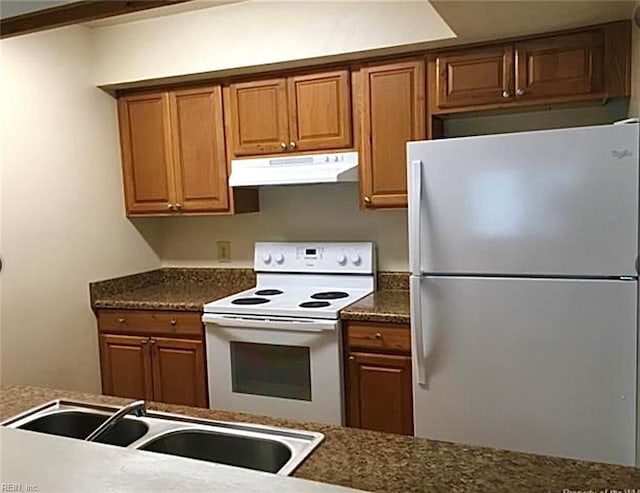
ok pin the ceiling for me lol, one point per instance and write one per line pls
(160, 11)
(485, 20)
(471, 20)
(11, 8)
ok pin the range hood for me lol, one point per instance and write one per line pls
(295, 170)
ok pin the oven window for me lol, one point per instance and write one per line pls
(271, 370)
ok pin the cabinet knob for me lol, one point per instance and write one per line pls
(519, 91)
(152, 341)
(178, 207)
(506, 94)
(367, 200)
(145, 342)
(378, 336)
(352, 357)
(173, 322)
(170, 207)
(292, 144)
(121, 320)
(283, 146)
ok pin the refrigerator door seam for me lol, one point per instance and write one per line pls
(530, 276)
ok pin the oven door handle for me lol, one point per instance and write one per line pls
(288, 324)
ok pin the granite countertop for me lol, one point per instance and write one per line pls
(170, 289)
(189, 289)
(380, 306)
(381, 462)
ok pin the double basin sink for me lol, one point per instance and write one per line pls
(257, 447)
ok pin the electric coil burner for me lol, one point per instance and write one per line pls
(249, 301)
(330, 295)
(314, 304)
(268, 292)
(275, 349)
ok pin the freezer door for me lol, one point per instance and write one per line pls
(533, 365)
(558, 202)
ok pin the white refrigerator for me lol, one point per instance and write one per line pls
(524, 291)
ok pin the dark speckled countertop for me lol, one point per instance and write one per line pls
(189, 289)
(380, 306)
(382, 462)
(170, 289)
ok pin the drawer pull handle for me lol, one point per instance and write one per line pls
(121, 320)
(378, 336)
(173, 322)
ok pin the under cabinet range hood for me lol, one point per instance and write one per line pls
(294, 170)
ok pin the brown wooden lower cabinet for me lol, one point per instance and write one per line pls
(178, 371)
(126, 366)
(379, 381)
(141, 365)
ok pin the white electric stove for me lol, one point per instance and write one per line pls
(276, 349)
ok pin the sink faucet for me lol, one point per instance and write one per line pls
(137, 407)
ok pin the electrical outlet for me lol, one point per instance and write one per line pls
(224, 251)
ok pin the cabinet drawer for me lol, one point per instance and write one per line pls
(385, 337)
(150, 322)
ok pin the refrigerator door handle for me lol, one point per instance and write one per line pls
(417, 331)
(415, 199)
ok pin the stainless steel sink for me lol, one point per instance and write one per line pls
(258, 447)
(242, 451)
(74, 424)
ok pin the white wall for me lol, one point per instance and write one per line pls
(257, 33)
(327, 212)
(462, 126)
(63, 223)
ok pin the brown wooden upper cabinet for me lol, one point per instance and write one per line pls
(297, 113)
(475, 77)
(392, 113)
(147, 163)
(577, 66)
(173, 152)
(568, 65)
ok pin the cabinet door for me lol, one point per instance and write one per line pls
(393, 113)
(145, 141)
(125, 365)
(179, 371)
(558, 66)
(474, 77)
(319, 111)
(380, 393)
(257, 117)
(198, 145)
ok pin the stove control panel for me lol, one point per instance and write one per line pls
(344, 258)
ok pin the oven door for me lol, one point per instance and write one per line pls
(280, 367)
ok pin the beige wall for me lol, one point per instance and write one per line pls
(614, 110)
(327, 212)
(62, 216)
(257, 33)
